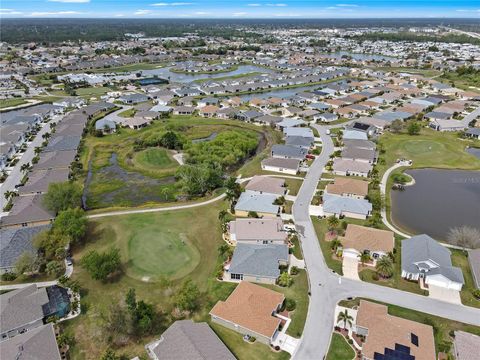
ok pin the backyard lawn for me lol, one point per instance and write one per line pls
(460, 259)
(339, 349)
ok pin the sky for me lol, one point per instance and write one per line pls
(239, 9)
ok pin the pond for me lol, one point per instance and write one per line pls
(165, 73)
(438, 201)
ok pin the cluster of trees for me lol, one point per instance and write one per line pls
(186, 299)
(227, 149)
(62, 196)
(102, 265)
(199, 179)
(169, 139)
(184, 44)
(467, 74)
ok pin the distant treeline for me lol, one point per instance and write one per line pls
(58, 30)
(409, 36)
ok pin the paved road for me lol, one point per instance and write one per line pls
(327, 288)
(16, 175)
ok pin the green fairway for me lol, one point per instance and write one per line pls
(429, 149)
(154, 158)
(340, 349)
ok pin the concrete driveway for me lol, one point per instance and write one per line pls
(287, 343)
(350, 268)
(448, 295)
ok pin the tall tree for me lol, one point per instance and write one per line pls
(72, 223)
(63, 196)
(345, 317)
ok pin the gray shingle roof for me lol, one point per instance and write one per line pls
(336, 204)
(14, 242)
(186, 340)
(258, 260)
(21, 307)
(288, 151)
(420, 251)
(36, 344)
(253, 201)
(62, 143)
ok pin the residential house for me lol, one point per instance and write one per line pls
(27, 211)
(466, 346)
(267, 185)
(360, 155)
(474, 261)
(391, 337)
(249, 116)
(299, 131)
(187, 340)
(348, 187)
(55, 160)
(208, 111)
(133, 98)
(250, 310)
(447, 125)
(261, 204)
(106, 126)
(14, 243)
(339, 206)
(281, 165)
(257, 231)
(345, 167)
(299, 141)
(257, 262)
(325, 117)
(183, 110)
(473, 133)
(288, 152)
(27, 308)
(354, 135)
(39, 180)
(425, 260)
(39, 343)
(365, 240)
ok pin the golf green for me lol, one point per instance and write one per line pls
(154, 158)
(166, 253)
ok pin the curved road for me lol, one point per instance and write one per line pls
(328, 288)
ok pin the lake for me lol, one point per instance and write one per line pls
(165, 73)
(438, 201)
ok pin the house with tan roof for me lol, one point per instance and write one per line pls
(208, 111)
(250, 310)
(348, 187)
(257, 231)
(360, 240)
(267, 185)
(391, 337)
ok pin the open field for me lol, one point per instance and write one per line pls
(339, 349)
(5, 103)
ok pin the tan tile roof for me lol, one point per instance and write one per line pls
(364, 238)
(267, 184)
(384, 331)
(251, 306)
(348, 186)
(258, 229)
(209, 109)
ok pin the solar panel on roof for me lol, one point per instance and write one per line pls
(414, 339)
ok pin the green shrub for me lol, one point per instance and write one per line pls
(9, 276)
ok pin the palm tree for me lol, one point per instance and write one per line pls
(346, 318)
(37, 150)
(46, 136)
(25, 167)
(332, 222)
(223, 216)
(335, 243)
(8, 194)
(384, 267)
(364, 257)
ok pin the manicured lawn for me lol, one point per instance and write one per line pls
(460, 259)
(154, 158)
(144, 241)
(321, 228)
(5, 103)
(339, 349)
(128, 113)
(246, 351)
(293, 186)
(297, 250)
(429, 149)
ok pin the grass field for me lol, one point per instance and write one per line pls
(154, 158)
(339, 349)
(144, 241)
(5, 103)
(85, 92)
(128, 113)
(460, 259)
